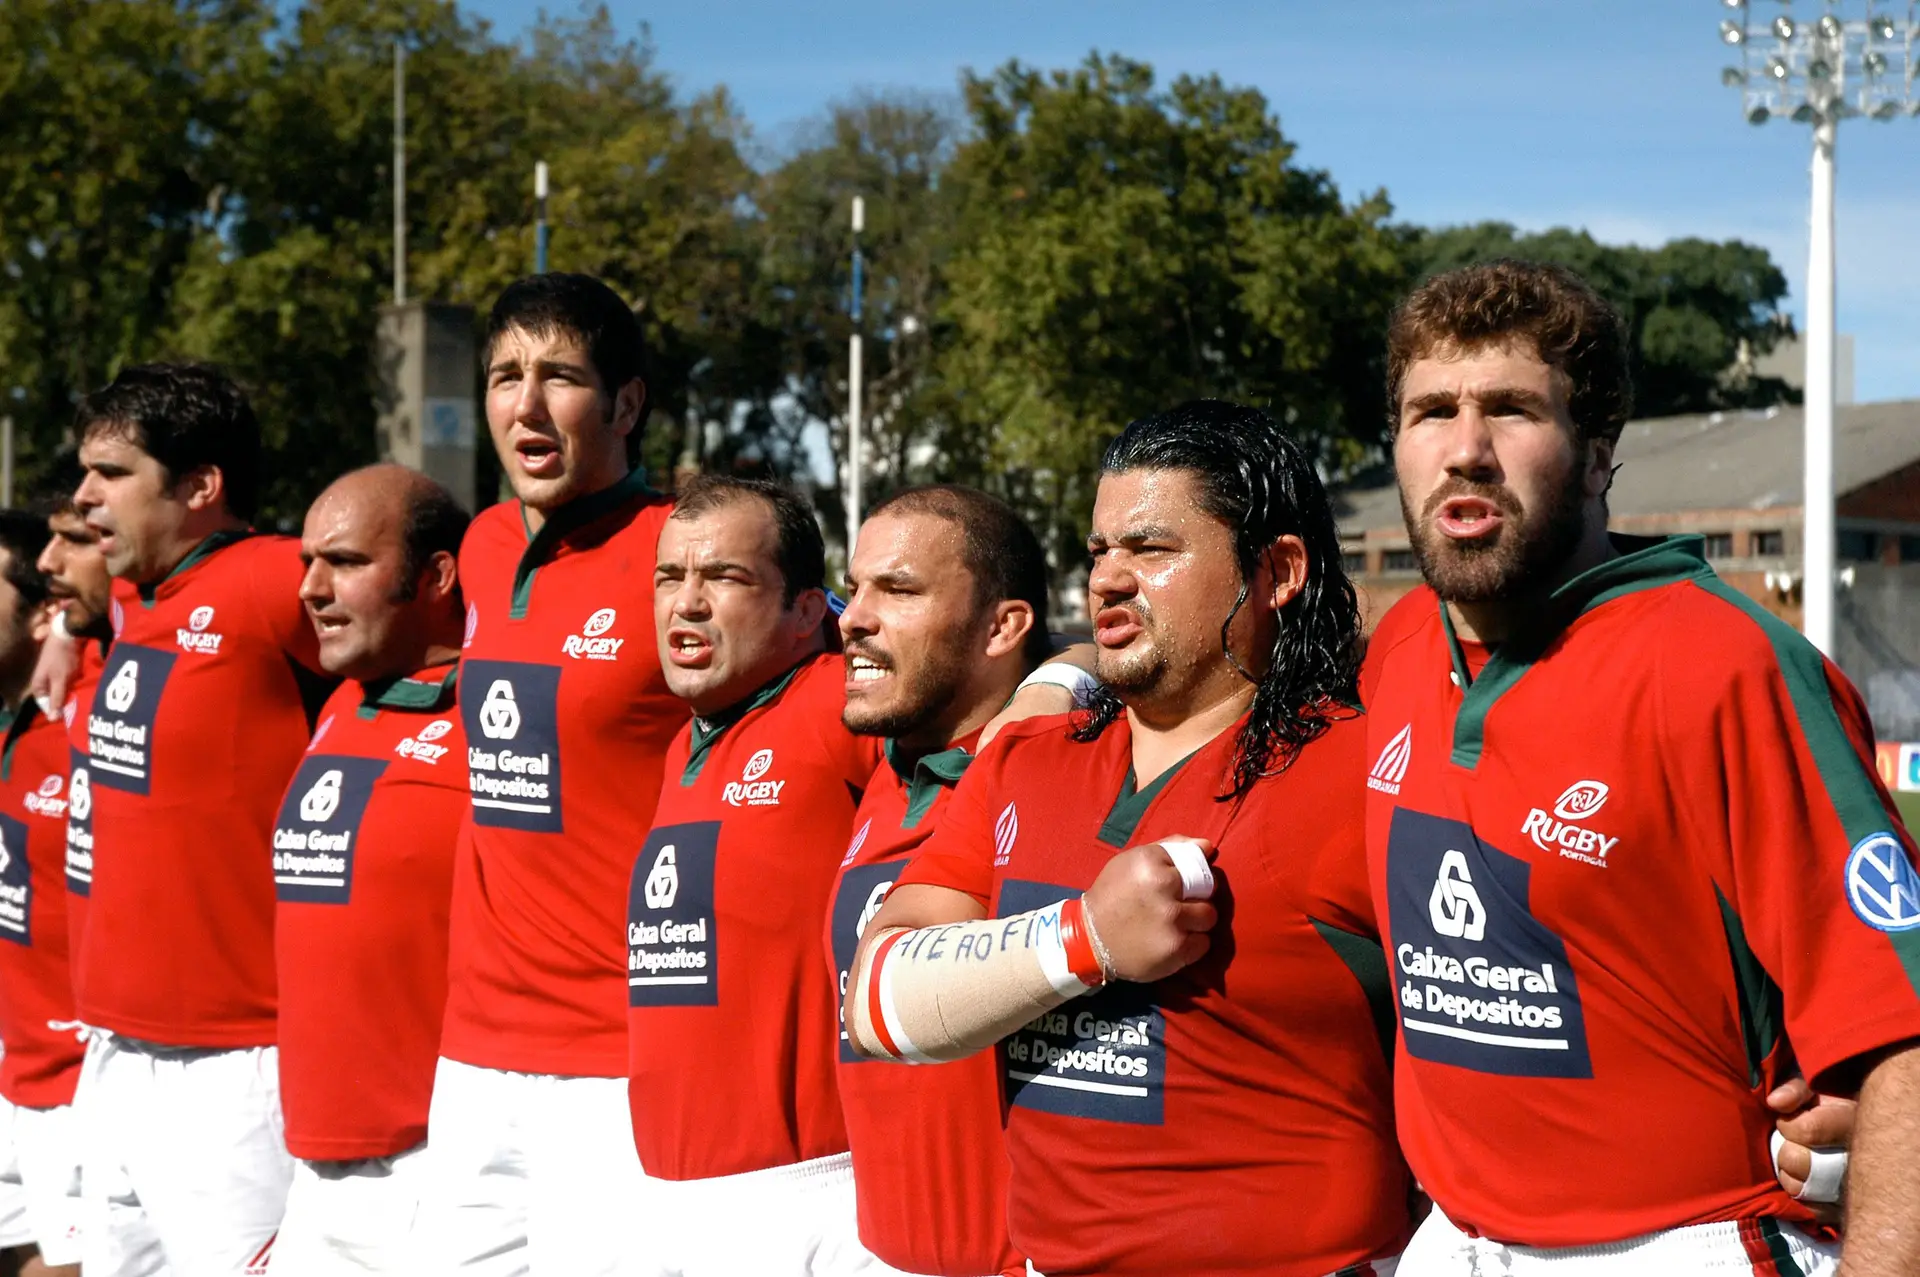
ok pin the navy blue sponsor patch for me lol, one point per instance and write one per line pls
(510, 712)
(120, 724)
(861, 892)
(1882, 886)
(673, 957)
(80, 826)
(317, 833)
(1481, 983)
(1103, 1056)
(16, 883)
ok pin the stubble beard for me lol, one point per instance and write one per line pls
(1517, 561)
(928, 690)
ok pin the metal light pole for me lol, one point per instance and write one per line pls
(855, 462)
(399, 172)
(540, 224)
(1817, 68)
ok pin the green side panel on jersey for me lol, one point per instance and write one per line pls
(930, 775)
(1848, 784)
(1368, 962)
(1131, 804)
(1778, 1249)
(1761, 1009)
(1646, 563)
(576, 513)
(206, 549)
(705, 731)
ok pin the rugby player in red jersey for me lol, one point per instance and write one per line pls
(732, 1026)
(1192, 1055)
(946, 614)
(1627, 843)
(200, 717)
(530, 1160)
(37, 1025)
(363, 866)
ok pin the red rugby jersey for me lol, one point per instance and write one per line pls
(1606, 863)
(363, 854)
(37, 1023)
(567, 719)
(929, 1162)
(79, 837)
(1159, 1128)
(198, 721)
(732, 1029)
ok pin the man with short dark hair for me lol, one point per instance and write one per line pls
(731, 1022)
(944, 581)
(363, 858)
(200, 716)
(1628, 848)
(43, 1050)
(1156, 912)
(530, 1160)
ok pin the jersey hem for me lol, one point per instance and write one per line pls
(357, 1149)
(518, 1058)
(223, 1037)
(45, 1096)
(797, 1164)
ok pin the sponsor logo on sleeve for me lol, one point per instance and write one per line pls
(421, 747)
(47, 800)
(16, 883)
(195, 636)
(513, 744)
(1882, 886)
(120, 725)
(1562, 829)
(592, 642)
(473, 625)
(79, 827)
(1103, 1056)
(859, 841)
(1006, 831)
(318, 830)
(1391, 767)
(752, 789)
(858, 897)
(672, 941)
(1482, 983)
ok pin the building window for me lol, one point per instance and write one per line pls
(1398, 561)
(1910, 549)
(1769, 544)
(1855, 546)
(1355, 562)
(1719, 545)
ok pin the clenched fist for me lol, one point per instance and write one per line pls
(1139, 911)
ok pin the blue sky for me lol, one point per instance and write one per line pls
(1603, 114)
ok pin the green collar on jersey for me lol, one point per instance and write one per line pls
(705, 731)
(1644, 563)
(419, 695)
(15, 722)
(1132, 803)
(570, 517)
(211, 545)
(930, 774)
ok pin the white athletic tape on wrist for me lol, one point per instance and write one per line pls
(1196, 875)
(1061, 674)
(1825, 1178)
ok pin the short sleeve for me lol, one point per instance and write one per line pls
(277, 578)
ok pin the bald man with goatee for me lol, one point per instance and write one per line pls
(363, 856)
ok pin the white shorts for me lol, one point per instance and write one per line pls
(46, 1148)
(786, 1221)
(184, 1164)
(528, 1175)
(1439, 1249)
(351, 1217)
(1366, 1268)
(16, 1219)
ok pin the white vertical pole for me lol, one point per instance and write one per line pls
(856, 462)
(1818, 524)
(6, 461)
(399, 172)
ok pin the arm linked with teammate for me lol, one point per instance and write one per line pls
(934, 980)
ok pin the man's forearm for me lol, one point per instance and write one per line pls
(1882, 1236)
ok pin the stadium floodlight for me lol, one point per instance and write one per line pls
(1852, 58)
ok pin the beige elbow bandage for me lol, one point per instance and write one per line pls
(941, 993)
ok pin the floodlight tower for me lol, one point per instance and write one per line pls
(1830, 60)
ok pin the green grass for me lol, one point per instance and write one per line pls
(1909, 805)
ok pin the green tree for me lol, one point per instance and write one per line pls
(1122, 247)
(1697, 310)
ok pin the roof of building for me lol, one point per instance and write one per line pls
(1711, 461)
